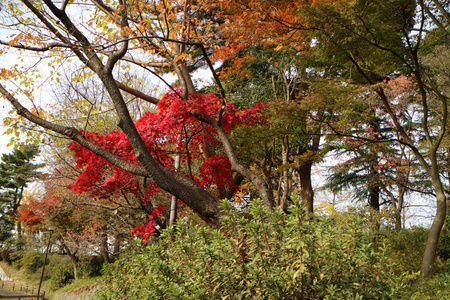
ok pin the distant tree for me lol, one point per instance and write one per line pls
(17, 170)
(6, 225)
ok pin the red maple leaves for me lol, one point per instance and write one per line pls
(170, 130)
(145, 231)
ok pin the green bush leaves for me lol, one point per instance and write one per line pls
(257, 255)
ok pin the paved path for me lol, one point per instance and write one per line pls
(14, 295)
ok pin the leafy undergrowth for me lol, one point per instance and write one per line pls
(77, 284)
(262, 255)
(20, 275)
(258, 255)
(437, 287)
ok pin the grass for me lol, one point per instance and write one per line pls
(32, 280)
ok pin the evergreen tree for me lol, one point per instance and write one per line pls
(16, 171)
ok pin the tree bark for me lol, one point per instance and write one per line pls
(104, 248)
(429, 255)
(306, 189)
(286, 174)
(116, 245)
(259, 183)
(73, 258)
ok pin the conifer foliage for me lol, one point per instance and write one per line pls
(17, 170)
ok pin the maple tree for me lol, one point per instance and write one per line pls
(171, 129)
(82, 224)
(169, 45)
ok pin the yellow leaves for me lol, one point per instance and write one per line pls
(183, 57)
(12, 73)
(21, 131)
(83, 76)
(280, 47)
(326, 208)
(125, 67)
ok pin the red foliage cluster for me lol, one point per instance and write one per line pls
(31, 215)
(171, 128)
(95, 167)
(145, 231)
(217, 169)
(172, 125)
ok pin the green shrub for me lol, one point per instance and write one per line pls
(5, 255)
(90, 266)
(15, 258)
(406, 247)
(260, 256)
(32, 261)
(61, 276)
(20, 243)
(444, 247)
(436, 287)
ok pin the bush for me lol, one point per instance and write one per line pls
(61, 276)
(32, 261)
(261, 256)
(431, 288)
(5, 255)
(15, 258)
(406, 247)
(91, 267)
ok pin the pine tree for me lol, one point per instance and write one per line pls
(16, 171)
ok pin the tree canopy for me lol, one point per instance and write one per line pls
(288, 82)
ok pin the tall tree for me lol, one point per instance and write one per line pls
(150, 35)
(367, 42)
(380, 172)
(17, 170)
(289, 144)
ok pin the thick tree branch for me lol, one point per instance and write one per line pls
(137, 93)
(115, 56)
(74, 135)
(260, 184)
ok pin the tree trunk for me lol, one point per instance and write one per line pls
(73, 259)
(260, 184)
(174, 200)
(398, 220)
(75, 266)
(306, 189)
(116, 246)
(286, 178)
(433, 236)
(374, 198)
(104, 249)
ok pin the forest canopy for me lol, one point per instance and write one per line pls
(157, 109)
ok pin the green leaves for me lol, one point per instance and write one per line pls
(257, 255)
